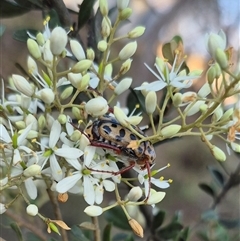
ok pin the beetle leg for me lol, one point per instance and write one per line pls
(106, 146)
(124, 169)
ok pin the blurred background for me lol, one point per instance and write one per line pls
(188, 156)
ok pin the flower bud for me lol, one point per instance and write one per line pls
(193, 109)
(20, 125)
(33, 48)
(82, 66)
(122, 4)
(123, 86)
(227, 115)
(31, 120)
(93, 211)
(235, 147)
(103, 5)
(221, 58)
(177, 99)
(22, 85)
(58, 40)
(41, 122)
(53, 227)
(126, 65)
(75, 79)
(151, 102)
(50, 121)
(128, 51)
(211, 75)
(32, 210)
(102, 45)
(40, 39)
(76, 113)
(215, 41)
(136, 32)
(47, 54)
(135, 194)
(218, 70)
(218, 153)
(62, 119)
(136, 227)
(218, 113)
(47, 95)
(135, 120)
(120, 116)
(32, 66)
(97, 106)
(90, 54)
(32, 170)
(3, 208)
(155, 197)
(75, 136)
(66, 93)
(125, 13)
(84, 82)
(106, 29)
(77, 50)
(171, 130)
(203, 108)
(205, 90)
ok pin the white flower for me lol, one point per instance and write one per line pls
(93, 178)
(51, 151)
(166, 77)
(144, 179)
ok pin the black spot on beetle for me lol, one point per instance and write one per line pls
(118, 138)
(140, 149)
(122, 132)
(107, 129)
(113, 125)
(133, 137)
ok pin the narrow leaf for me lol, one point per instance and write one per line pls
(85, 12)
(206, 188)
(107, 232)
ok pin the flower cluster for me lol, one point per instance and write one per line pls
(41, 146)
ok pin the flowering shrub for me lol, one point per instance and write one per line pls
(42, 144)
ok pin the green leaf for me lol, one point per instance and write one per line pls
(229, 224)
(78, 234)
(22, 35)
(120, 237)
(17, 230)
(170, 231)
(183, 235)
(85, 12)
(202, 236)
(107, 232)
(206, 188)
(11, 9)
(117, 217)
(217, 176)
(2, 30)
(32, 237)
(158, 220)
(136, 98)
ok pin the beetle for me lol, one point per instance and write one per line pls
(108, 133)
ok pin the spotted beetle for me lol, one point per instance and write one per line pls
(108, 133)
